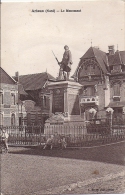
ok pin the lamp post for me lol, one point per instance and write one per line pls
(110, 110)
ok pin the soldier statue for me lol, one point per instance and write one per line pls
(65, 64)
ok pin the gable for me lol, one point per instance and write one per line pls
(93, 53)
(5, 78)
(89, 67)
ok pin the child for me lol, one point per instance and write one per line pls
(63, 143)
(49, 142)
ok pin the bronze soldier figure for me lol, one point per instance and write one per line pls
(65, 64)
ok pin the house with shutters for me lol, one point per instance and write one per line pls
(8, 100)
(102, 76)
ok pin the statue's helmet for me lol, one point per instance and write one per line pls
(66, 46)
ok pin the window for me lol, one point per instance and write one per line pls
(44, 101)
(90, 91)
(116, 89)
(92, 67)
(1, 98)
(13, 119)
(1, 119)
(29, 119)
(12, 99)
(85, 67)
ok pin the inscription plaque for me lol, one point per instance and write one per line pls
(58, 100)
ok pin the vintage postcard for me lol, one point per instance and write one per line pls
(62, 97)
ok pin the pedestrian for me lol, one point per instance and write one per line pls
(5, 138)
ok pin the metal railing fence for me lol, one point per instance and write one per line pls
(34, 135)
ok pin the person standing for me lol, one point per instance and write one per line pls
(5, 138)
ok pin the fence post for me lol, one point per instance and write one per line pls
(40, 134)
(25, 134)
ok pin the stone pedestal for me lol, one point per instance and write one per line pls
(64, 106)
(64, 97)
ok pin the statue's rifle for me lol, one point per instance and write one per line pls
(55, 57)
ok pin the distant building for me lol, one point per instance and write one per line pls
(8, 100)
(34, 96)
(103, 78)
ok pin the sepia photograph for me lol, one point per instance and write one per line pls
(62, 97)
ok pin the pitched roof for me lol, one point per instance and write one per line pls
(117, 58)
(34, 81)
(89, 53)
(5, 78)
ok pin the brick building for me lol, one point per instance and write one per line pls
(103, 78)
(8, 100)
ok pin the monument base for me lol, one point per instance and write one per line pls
(61, 124)
(64, 109)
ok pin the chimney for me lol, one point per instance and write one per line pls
(111, 50)
(16, 76)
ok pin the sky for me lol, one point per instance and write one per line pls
(28, 38)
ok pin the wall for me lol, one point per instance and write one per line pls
(73, 104)
(122, 92)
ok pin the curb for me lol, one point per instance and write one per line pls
(79, 184)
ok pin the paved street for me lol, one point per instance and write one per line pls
(32, 171)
